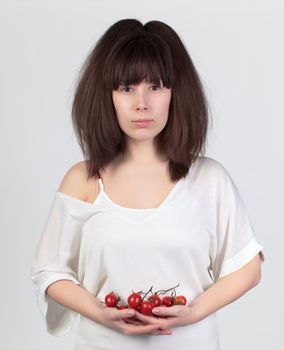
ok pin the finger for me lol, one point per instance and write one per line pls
(121, 314)
(166, 311)
(131, 321)
(163, 323)
(146, 319)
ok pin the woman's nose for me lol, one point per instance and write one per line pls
(141, 107)
(142, 100)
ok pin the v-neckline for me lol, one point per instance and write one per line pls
(166, 199)
(122, 212)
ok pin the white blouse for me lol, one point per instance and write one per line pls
(200, 233)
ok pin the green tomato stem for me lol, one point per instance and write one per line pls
(147, 293)
(163, 291)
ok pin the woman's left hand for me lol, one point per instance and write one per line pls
(176, 316)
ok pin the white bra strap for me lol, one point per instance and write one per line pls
(101, 184)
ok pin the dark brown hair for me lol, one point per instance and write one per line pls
(130, 52)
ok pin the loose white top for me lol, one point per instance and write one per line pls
(200, 233)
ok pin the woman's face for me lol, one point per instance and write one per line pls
(142, 101)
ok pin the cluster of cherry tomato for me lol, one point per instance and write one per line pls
(143, 304)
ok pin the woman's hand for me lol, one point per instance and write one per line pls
(174, 316)
(123, 321)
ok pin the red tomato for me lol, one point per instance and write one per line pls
(146, 308)
(167, 301)
(111, 299)
(180, 300)
(155, 300)
(134, 300)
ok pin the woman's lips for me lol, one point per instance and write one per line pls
(142, 122)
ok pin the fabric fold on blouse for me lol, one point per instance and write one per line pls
(57, 256)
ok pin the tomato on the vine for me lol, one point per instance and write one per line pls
(167, 301)
(180, 300)
(155, 300)
(146, 304)
(111, 299)
(146, 308)
(134, 300)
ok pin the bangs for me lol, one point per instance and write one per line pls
(137, 59)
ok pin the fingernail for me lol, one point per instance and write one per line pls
(130, 312)
(156, 310)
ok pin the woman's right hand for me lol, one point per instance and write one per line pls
(124, 322)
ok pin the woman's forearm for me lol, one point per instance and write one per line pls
(74, 297)
(226, 290)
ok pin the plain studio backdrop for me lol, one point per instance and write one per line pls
(237, 48)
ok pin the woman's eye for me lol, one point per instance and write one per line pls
(125, 88)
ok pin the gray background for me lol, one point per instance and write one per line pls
(237, 48)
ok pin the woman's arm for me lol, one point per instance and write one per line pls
(80, 300)
(227, 289)
(75, 297)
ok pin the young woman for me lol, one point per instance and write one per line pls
(146, 208)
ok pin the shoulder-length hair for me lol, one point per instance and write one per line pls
(130, 52)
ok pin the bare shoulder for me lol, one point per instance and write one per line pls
(75, 182)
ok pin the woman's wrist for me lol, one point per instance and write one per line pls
(97, 309)
(194, 313)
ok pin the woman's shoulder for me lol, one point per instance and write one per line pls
(208, 173)
(209, 165)
(75, 182)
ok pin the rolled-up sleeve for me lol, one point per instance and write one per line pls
(235, 242)
(56, 258)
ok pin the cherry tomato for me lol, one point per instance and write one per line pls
(134, 300)
(167, 301)
(146, 308)
(111, 299)
(138, 308)
(155, 300)
(180, 300)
